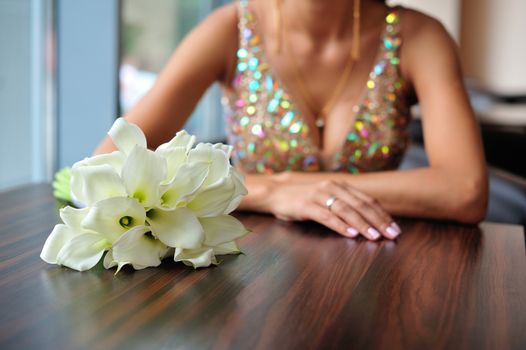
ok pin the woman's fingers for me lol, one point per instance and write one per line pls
(360, 212)
(354, 219)
(370, 209)
(323, 216)
(373, 202)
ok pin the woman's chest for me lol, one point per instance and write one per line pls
(274, 131)
(270, 134)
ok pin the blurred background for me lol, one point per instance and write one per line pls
(68, 68)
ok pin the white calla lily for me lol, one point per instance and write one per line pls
(58, 238)
(143, 205)
(184, 185)
(226, 248)
(216, 157)
(83, 251)
(139, 248)
(212, 201)
(72, 217)
(227, 149)
(220, 198)
(109, 262)
(176, 228)
(181, 139)
(239, 191)
(142, 173)
(114, 216)
(90, 184)
(126, 136)
(62, 234)
(221, 229)
(115, 159)
(201, 257)
(175, 159)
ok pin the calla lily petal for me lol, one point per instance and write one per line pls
(60, 236)
(176, 228)
(213, 201)
(222, 229)
(188, 181)
(181, 139)
(115, 159)
(226, 248)
(142, 174)
(114, 216)
(73, 217)
(126, 135)
(219, 164)
(201, 257)
(83, 252)
(175, 158)
(225, 148)
(108, 261)
(90, 184)
(240, 190)
(139, 249)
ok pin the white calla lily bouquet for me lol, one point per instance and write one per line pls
(142, 206)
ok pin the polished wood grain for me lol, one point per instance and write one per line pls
(298, 286)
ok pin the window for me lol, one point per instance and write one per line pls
(150, 32)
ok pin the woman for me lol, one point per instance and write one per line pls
(318, 96)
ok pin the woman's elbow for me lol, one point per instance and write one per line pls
(472, 199)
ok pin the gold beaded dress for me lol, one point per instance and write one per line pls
(268, 133)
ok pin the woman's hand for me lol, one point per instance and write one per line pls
(352, 213)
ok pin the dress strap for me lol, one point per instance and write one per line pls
(244, 23)
(392, 40)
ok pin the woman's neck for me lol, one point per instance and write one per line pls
(323, 18)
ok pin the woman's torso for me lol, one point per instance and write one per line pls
(270, 134)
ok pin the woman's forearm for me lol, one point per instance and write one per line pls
(259, 190)
(424, 192)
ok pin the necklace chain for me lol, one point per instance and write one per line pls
(342, 81)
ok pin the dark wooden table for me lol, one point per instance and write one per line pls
(298, 286)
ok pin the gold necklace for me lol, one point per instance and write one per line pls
(300, 80)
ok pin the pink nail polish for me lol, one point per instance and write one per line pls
(392, 232)
(373, 233)
(396, 227)
(352, 232)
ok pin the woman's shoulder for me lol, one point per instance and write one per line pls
(425, 41)
(416, 25)
(226, 14)
(220, 30)
(220, 23)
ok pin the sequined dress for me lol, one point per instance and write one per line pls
(269, 135)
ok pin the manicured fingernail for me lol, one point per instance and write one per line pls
(373, 233)
(352, 232)
(392, 232)
(396, 227)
